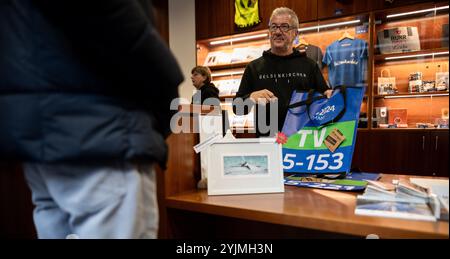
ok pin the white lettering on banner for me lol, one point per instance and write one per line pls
(323, 162)
(304, 134)
(318, 140)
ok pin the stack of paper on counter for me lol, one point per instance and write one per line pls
(440, 188)
(406, 200)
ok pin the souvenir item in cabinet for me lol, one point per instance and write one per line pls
(415, 82)
(428, 86)
(398, 117)
(217, 58)
(442, 123)
(347, 62)
(386, 85)
(398, 40)
(380, 116)
(441, 80)
(444, 113)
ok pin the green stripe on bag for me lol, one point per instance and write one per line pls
(311, 138)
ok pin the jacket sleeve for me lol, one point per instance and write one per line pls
(119, 35)
(210, 96)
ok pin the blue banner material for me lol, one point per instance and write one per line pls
(310, 119)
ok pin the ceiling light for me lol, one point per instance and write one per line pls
(418, 55)
(239, 39)
(328, 25)
(414, 96)
(416, 12)
(228, 74)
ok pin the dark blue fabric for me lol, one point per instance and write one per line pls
(60, 101)
(315, 157)
(325, 110)
(317, 113)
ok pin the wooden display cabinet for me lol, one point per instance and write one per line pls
(426, 105)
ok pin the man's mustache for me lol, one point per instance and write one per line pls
(276, 37)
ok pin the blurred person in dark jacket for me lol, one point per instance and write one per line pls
(201, 80)
(85, 89)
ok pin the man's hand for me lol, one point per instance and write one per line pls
(262, 96)
(328, 93)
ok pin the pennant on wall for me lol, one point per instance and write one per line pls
(247, 13)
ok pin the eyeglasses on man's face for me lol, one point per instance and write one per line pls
(284, 27)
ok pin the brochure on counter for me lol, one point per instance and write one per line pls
(353, 181)
(407, 200)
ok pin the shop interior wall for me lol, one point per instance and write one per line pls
(182, 41)
(215, 18)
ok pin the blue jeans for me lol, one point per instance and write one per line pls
(116, 200)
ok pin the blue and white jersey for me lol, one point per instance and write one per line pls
(347, 62)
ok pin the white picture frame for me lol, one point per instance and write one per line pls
(245, 166)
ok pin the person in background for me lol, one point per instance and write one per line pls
(207, 93)
(85, 92)
(280, 70)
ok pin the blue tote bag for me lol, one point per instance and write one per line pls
(311, 117)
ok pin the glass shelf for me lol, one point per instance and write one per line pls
(411, 59)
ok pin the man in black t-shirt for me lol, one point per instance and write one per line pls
(273, 77)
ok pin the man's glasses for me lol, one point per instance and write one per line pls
(284, 27)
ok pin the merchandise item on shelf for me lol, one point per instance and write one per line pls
(441, 79)
(398, 116)
(313, 52)
(246, 13)
(347, 62)
(398, 40)
(247, 53)
(386, 84)
(441, 123)
(380, 116)
(217, 58)
(415, 84)
(428, 86)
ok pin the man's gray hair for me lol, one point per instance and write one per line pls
(284, 10)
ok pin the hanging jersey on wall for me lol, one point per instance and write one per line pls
(312, 52)
(347, 62)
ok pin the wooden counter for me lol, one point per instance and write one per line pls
(309, 209)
